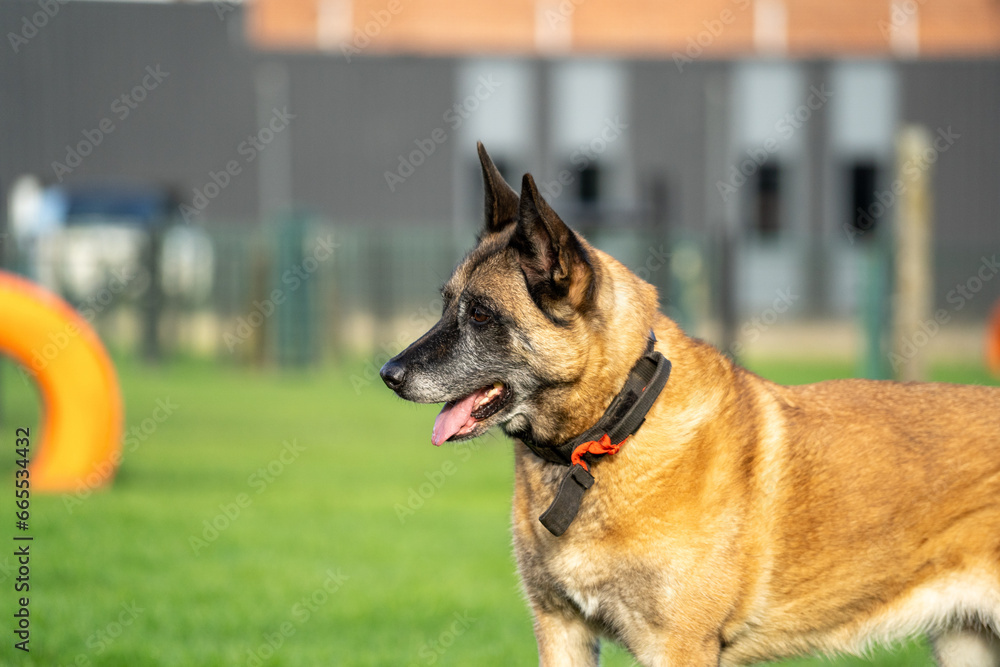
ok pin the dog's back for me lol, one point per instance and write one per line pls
(889, 513)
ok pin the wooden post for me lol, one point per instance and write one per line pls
(914, 268)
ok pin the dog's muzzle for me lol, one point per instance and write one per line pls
(393, 374)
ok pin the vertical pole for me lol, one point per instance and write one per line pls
(296, 337)
(152, 302)
(913, 255)
(722, 216)
(659, 219)
(815, 272)
(274, 164)
(874, 300)
(272, 87)
(544, 75)
(726, 256)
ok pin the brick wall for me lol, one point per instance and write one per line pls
(657, 28)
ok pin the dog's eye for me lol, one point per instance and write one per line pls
(478, 315)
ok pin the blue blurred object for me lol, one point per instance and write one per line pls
(146, 206)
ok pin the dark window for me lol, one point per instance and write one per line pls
(863, 178)
(590, 185)
(767, 201)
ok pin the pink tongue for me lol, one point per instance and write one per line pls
(453, 417)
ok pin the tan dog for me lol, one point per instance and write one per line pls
(743, 521)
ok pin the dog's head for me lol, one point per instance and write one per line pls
(517, 327)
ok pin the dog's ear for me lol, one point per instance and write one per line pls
(501, 200)
(554, 262)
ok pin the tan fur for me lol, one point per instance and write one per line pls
(747, 520)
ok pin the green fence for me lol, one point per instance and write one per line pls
(301, 290)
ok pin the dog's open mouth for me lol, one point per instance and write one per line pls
(461, 418)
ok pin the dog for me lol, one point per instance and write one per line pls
(740, 520)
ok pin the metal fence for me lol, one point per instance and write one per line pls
(304, 290)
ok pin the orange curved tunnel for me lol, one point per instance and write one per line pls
(81, 430)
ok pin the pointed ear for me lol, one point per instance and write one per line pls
(501, 200)
(555, 263)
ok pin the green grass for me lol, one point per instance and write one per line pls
(404, 587)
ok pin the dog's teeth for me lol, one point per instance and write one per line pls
(490, 394)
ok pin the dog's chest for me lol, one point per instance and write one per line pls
(590, 600)
(607, 586)
(588, 570)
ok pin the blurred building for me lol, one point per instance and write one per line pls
(771, 122)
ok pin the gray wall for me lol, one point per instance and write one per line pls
(963, 95)
(66, 79)
(354, 119)
(670, 137)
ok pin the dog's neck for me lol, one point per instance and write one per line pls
(628, 307)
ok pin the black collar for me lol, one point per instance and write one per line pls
(623, 418)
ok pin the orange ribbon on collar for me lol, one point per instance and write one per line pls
(598, 447)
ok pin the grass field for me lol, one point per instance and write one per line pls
(259, 523)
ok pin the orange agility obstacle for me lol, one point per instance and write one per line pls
(81, 431)
(993, 341)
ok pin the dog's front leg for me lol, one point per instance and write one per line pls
(679, 653)
(565, 640)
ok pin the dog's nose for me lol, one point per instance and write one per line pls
(393, 374)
